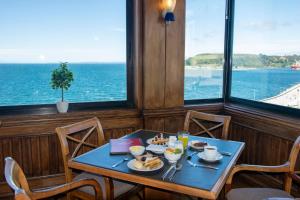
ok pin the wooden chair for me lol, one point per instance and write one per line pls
(16, 179)
(112, 189)
(287, 168)
(194, 116)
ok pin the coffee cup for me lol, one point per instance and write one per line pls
(210, 152)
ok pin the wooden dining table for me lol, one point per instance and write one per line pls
(195, 181)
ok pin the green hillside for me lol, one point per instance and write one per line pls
(243, 60)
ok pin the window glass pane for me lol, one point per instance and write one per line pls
(204, 47)
(266, 60)
(37, 35)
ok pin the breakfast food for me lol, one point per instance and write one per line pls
(199, 144)
(138, 164)
(137, 150)
(159, 139)
(147, 162)
(173, 151)
(152, 162)
(173, 154)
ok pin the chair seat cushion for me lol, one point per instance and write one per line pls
(119, 186)
(256, 194)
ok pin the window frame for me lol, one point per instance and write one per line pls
(222, 99)
(229, 36)
(227, 74)
(41, 109)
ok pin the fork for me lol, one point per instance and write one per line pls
(167, 172)
(177, 168)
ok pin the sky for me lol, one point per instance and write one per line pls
(270, 27)
(62, 31)
(95, 30)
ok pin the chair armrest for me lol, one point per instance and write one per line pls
(257, 168)
(295, 177)
(40, 194)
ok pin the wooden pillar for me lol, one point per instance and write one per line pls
(163, 57)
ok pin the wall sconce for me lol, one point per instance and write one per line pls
(168, 7)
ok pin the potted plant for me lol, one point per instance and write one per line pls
(62, 78)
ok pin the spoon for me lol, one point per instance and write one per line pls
(177, 168)
(120, 162)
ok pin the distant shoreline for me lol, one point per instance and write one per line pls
(240, 68)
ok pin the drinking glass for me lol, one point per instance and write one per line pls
(183, 136)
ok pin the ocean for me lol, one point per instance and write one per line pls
(26, 84)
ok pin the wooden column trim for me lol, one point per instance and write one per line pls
(175, 43)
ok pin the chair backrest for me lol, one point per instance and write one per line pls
(16, 179)
(68, 133)
(292, 163)
(196, 117)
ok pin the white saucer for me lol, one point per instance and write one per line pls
(202, 156)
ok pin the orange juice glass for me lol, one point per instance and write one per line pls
(183, 136)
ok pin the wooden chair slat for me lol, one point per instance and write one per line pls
(209, 129)
(222, 120)
(78, 141)
(82, 141)
(204, 128)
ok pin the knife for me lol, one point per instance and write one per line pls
(225, 153)
(204, 166)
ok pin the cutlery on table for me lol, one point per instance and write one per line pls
(167, 172)
(204, 166)
(225, 153)
(120, 162)
(177, 168)
(190, 156)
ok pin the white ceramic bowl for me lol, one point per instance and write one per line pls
(171, 157)
(137, 150)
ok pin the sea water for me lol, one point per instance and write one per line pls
(26, 84)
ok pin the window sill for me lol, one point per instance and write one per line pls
(50, 109)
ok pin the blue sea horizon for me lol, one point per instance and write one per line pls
(28, 83)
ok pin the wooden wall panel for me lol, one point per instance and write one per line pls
(154, 56)
(175, 42)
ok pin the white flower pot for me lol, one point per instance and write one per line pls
(62, 106)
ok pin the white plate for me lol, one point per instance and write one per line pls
(157, 149)
(197, 148)
(130, 165)
(202, 156)
(149, 141)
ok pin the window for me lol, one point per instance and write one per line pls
(266, 52)
(204, 47)
(37, 35)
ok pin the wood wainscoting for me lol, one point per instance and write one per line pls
(32, 142)
(268, 137)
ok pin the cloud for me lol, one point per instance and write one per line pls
(42, 57)
(96, 38)
(266, 25)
